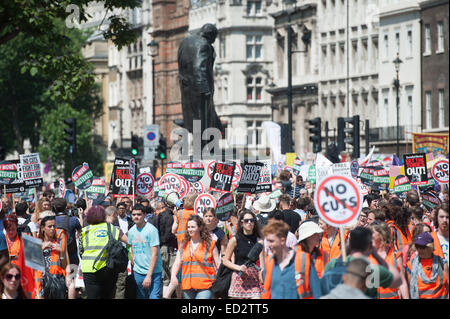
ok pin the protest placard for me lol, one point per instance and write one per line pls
(16, 185)
(381, 178)
(225, 206)
(265, 178)
(34, 257)
(416, 168)
(440, 171)
(430, 199)
(61, 188)
(97, 189)
(8, 172)
(250, 177)
(121, 184)
(202, 202)
(144, 184)
(191, 171)
(82, 176)
(222, 176)
(338, 200)
(401, 185)
(31, 169)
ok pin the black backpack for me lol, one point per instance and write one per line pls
(116, 254)
(332, 277)
(71, 241)
(24, 228)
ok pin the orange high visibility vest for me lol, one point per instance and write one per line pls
(411, 227)
(321, 261)
(335, 250)
(400, 239)
(302, 266)
(437, 245)
(391, 259)
(27, 274)
(55, 263)
(198, 271)
(182, 217)
(435, 290)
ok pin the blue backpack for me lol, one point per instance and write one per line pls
(332, 277)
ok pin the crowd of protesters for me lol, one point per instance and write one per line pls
(398, 248)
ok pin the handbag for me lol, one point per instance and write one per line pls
(222, 283)
(54, 286)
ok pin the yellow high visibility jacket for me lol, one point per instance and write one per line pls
(93, 239)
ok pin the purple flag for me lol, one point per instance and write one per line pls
(47, 166)
(396, 161)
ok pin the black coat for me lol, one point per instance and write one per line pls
(195, 65)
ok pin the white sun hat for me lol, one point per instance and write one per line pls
(307, 229)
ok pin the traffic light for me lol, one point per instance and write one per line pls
(2, 153)
(315, 132)
(349, 134)
(161, 151)
(134, 145)
(284, 136)
(71, 133)
(332, 153)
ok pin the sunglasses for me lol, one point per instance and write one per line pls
(248, 220)
(9, 277)
(420, 246)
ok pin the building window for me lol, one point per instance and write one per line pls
(386, 46)
(253, 8)
(409, 92)
(386, 107)
(441, 108)
(225, 89)
(397, 42)
(254, 89)
(222, 48)
(254, 47)
(427, 39)
(410, 43)
(440, 39)
(428, 109)
(254, 133)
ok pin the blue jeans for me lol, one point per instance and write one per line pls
(197, 294)
(155, 290)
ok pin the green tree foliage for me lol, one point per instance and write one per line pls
(37, 17)
(44, 79)
(54, 146)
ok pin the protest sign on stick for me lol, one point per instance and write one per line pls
(338, 201)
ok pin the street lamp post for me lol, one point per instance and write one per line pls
(153, 51)
(397, 63)
(153, 47)
(290, 7)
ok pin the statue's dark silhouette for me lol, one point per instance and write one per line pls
(195, 64)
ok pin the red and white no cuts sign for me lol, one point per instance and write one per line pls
(440, 171)
(144, 184)
(338, 200)
(202, 202)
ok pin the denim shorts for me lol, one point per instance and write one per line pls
(197, 294)
(155, 290)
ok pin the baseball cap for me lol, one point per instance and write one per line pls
(423, 239)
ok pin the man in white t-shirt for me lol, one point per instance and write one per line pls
(441, 221)
(125, 223)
